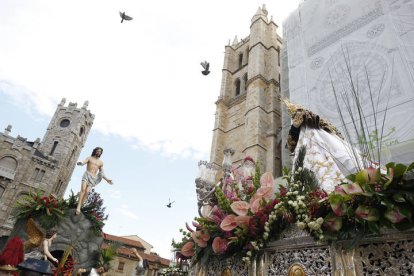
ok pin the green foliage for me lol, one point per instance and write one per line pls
(222, 200)
(46, 208)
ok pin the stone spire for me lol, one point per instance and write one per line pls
(235, 41)
(261, 13)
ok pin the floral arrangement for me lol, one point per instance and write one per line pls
(48, 209)
(249, 212)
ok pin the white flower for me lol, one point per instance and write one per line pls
(301, 225)
(267, 229)
(265, 235)
(249, 253)
(319, 221)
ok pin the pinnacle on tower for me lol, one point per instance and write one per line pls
(235, 41)
(261, 13)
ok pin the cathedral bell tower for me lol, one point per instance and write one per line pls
(64, 140)
(248, 117)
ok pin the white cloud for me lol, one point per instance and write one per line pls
(127, 213)
(116, 194)
(142, 77)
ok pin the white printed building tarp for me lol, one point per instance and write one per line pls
(333, 44)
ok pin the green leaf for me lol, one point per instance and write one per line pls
(390, 165)
(351, 177)
(398, 197)
(362, 177)
(410, 167)
(374, 227)
(399, 170)
(387, 202)
(410, 197)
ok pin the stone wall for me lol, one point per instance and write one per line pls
(72, 230)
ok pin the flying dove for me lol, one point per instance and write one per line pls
(205, 65)
(124, 16)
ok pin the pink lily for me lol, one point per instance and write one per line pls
(228, 223)
(219, 245)
(240, 207)
(200, 238)
(188, 249)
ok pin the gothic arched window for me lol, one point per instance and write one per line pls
(245, 82)
(240, 60)
(8, 167)
(237, 87)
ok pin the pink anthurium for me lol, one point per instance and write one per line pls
(255, 205)
(265, 192)
(367, 213)
(219, 245)
(188, 227)
(266, 180)
(333, 223)
(373, 175)
(394, 215)
(352, 189)
(228, 223)
(200, 238)
(338, 208)
(196, 225)
(188, 249)
(339, 190)
(240, 207)
(243, 221)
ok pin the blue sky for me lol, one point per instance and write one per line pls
(154, 110)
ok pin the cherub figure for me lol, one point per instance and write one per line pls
(93, 175)
(40, 241)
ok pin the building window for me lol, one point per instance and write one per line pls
(240, 60)
(54, 147)
(81, 131)
(245, 82)
(38, 174)
(247, 55)
(8, 167)
(58, 186)
(64, 123)
(237, 87)
(121, 266)
(278, 57)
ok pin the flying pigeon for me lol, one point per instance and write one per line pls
(205, 65)
(170, 203)
(124, 16)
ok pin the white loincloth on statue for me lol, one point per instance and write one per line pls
(328, 156)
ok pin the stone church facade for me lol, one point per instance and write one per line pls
(248, 112)
(45, 165)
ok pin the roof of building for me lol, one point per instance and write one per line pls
(152, 258)
(125, 251)
(122, 240)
